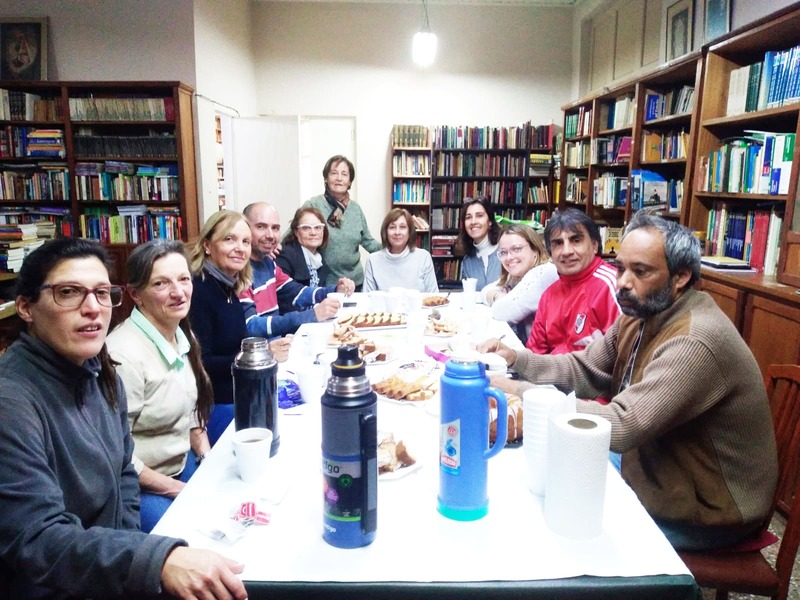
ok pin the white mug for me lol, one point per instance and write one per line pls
(251, 447)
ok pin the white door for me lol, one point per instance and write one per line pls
(321, 138)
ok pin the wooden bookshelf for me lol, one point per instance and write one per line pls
(121, 144)
(411, 176)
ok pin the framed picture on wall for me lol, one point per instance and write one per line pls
(23, 49)
(679, 28)
(718, 18)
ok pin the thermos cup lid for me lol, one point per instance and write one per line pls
(255, 354)
(466, 356)
(348, 362)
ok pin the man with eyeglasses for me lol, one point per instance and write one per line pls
(581, 306)
(271, 285)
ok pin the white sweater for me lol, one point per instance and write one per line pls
(411, 270)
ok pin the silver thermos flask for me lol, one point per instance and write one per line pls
(255, 388)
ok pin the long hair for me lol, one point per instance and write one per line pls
(464, 245)
(291, 235)
(140, 269)
(36, 268)
(390, 218)
(534, 241)
(216, 227)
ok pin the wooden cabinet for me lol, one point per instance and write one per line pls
(729, 298)
(411, 176)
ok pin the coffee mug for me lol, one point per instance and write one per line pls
(251, 447)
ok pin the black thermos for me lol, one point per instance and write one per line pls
(255, 388)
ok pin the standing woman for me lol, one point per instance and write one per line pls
(526, 272)
(347, 225)
(169, 393)
(300, 256)
(400, 263)
(69, 494)
(477, 242)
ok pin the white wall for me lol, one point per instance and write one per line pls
(498, 65)
(115, 39)
(225, 81)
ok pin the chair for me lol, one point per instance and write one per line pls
(749, 572)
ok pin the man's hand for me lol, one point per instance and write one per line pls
(346, 286)
(326, 309)
(280, 348)
(498, 347)
(505, 384)
(275, 251)
(192, 573)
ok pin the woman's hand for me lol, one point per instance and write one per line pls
(346, 286)
(154, 482)
(194, 573)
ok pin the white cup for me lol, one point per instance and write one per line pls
(468, 300)
(413, 300)
(415, 327)
(318, 335)
(251, 447)
(395, 300)
(311, 380)
(377, 301)
(339, 297)
(470, 284)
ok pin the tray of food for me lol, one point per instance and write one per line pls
(411, 382)
(435, 301)
(440, 327)
(374, 320)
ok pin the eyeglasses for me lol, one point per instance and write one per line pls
(513, 251)
(309, 228)
(70, 295)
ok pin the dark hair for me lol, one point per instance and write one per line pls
(530, 235)
(335, 160)
(35, 269)
(571, 220)
(681, 246)
(464, 245)
(390, 218)
(140, 268)
(291, 235)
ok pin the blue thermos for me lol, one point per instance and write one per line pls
(349, 454)
(464, 437)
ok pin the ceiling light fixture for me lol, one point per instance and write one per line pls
(423, 47)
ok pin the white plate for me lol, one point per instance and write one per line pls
(400, 473)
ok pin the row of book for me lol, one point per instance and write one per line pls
(501, 192)
(652, 190)
(50, 221)
(445, 218)
(448, 270)
(768, 83)
(617, 114)
(579, 123)
(760, 162)
(577, 154)
(484, 138)
(613, 149)
(610, 191)
(411, 191)
(114, 187)
(25, 142)
(442, 245)
(130, 228)
(122, 109)
(133, 146)
(17, 105)
(749, 235)
(420, 223)
(405, 164)
(34, 183)
(539, 194)
(577, 188)
(539, 164)
(676, 101)
(410, 136)
(658, 146)
(478, 165)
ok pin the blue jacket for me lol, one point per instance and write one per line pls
(472, 266)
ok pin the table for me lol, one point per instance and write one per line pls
(417, 552)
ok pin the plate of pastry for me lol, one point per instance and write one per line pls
(373, 320)
(394, 459)
(412, 382)
(435, 301)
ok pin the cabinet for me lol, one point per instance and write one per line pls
(764, 181)
(111, 161)
(411, 176)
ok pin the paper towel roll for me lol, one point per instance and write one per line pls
(577, 465)
(538, 404)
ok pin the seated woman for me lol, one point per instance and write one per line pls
(526, 273)
(169, 393)
(400, 263)
(220, 262)
(69, 494)
(300, 256)
(477, 242)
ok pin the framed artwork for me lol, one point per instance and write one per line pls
(718, 18)
(679, 28)
(23, 49)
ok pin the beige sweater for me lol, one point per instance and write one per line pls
(694, 426)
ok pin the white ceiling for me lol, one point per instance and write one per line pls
(456, 2)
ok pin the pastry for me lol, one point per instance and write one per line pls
(514, 419)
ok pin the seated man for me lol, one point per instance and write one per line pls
(260, 302)
(688, 408)
(581, 305)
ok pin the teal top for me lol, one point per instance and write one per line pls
(171, 356)
(341, 255)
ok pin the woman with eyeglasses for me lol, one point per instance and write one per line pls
(301, 254)
(477, 242)
(400, 263)
(526, 272)
(169, 393)
(69, 493)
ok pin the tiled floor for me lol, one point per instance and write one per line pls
(770, 552)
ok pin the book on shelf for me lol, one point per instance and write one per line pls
(725, 262)
(410, 136)
(611, 238)
(420, 223)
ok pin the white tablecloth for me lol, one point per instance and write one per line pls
(414, 542)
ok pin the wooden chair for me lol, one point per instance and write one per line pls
(749, 572)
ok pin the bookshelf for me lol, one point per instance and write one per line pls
(411, 176)
(111, 161)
